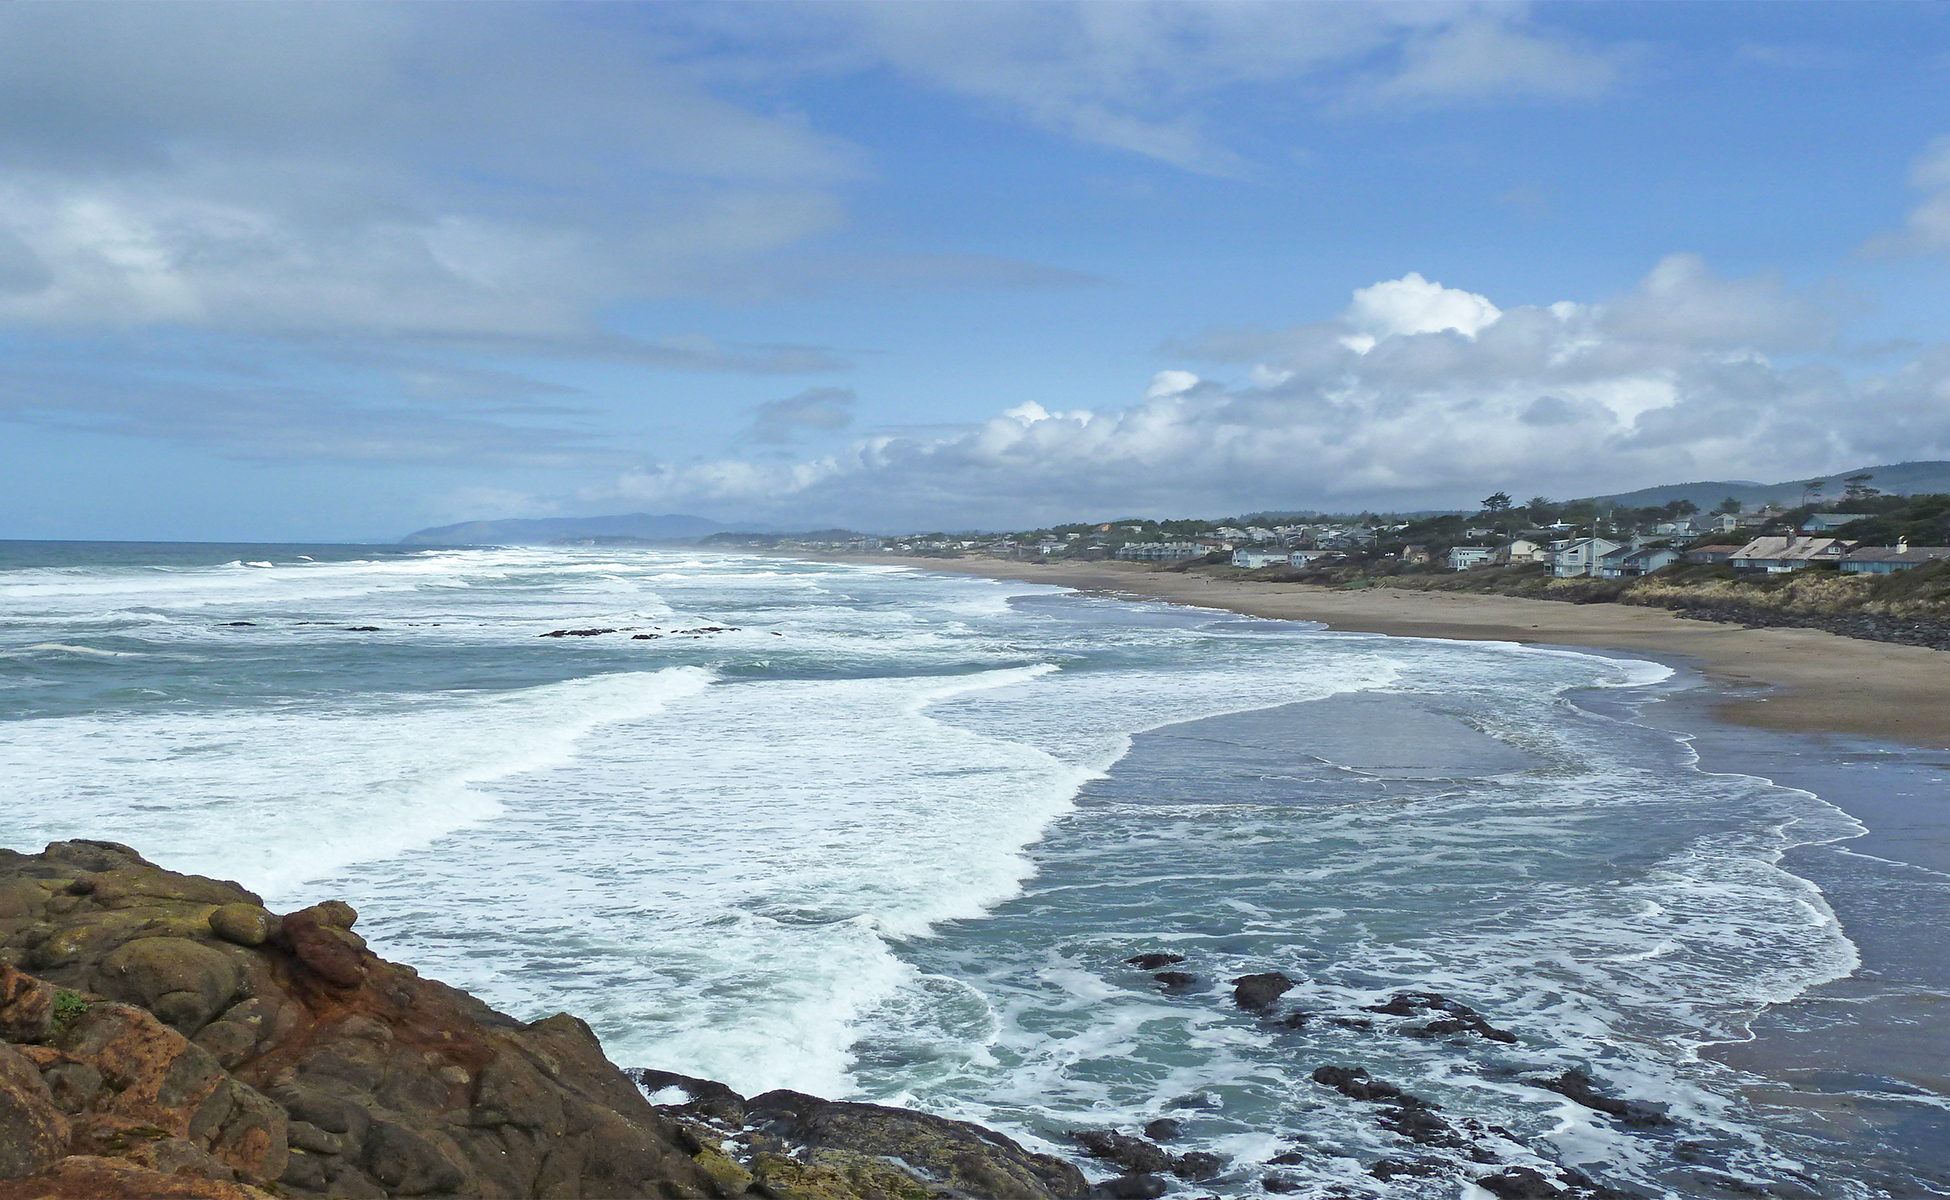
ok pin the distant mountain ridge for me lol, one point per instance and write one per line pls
(1902, 479)
(542, 531)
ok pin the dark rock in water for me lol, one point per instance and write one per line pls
(1461, 1018)
(961, 1155)
(1296, 1020)
(1291, 1158)
(706, 1098)
(1577, 1086)
(1163, 1129)
(362, 629)
(1130, 1187)
(1416, 1168)
(645, 637)
(1199, 1164)
(1135, 1155)
(1351, 1022)
(1175, 979)
(1195, 1100)
(236, 623)
(1151, 962)
(1519, 1183)
(1416, 1123)
(574, 632)
(1256, 993)
(1279, 1185)
(1354, 1083)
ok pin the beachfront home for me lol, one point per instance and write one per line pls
(1887, 560)
(1159, 551)
(1829, 522)
(1778, 555)
(1461, 558)
(1581, 556)
(1300, 558)
(1629, 562)
(1522, 550)
(1253, 560)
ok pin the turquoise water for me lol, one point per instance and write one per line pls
(867, 831)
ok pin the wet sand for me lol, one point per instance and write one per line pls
(1795, 680)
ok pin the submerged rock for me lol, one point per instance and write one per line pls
(1151, 962)
(1175, 980)
(1461, 1018)
(1575, 1085)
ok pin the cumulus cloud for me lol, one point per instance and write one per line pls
(1452, 396)
(815, 410)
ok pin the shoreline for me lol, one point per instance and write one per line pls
(1850, 721)
(1788, 680)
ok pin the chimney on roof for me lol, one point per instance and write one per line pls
(1902, 545)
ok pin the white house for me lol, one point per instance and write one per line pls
(1159, 551)
(1461, 558)
(1581, 556)
(1522, 550)
(1300, 558)
(1253, 560)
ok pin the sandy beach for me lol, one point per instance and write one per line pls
(1796, 680)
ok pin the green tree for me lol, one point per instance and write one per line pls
(1858, 487)
(1497, 504)
(1730, 505)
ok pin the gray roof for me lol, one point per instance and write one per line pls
(1900, 554)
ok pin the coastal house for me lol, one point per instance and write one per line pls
(1829, 522)
(1415, 555)
(1778, 555)
(1159, 551)
(1887, 560)
(1710, 554)
(1461, 558)
(1580, 557)
(1629, 562)
(1518, 551)
(1253, 560)
(1300, 558)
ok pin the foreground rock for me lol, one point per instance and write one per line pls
(791, 1144)
(164, 1035)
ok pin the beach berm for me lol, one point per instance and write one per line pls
(1799, 680)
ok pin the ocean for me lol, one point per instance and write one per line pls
(877, 833)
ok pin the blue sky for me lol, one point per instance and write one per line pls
(338, 271)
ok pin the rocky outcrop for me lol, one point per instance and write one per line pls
(786, 1143)
(166, 1035)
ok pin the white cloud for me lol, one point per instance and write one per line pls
(1412, 304)
(1453, 397)
(1490, 54)
(1146, 77)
